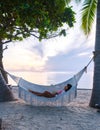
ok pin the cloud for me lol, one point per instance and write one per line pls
(32, 55)
(19, 59)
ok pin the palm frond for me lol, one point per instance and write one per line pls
(88, 15)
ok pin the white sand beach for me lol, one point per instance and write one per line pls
(77, 115)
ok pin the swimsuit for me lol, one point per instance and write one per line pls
(60, 91)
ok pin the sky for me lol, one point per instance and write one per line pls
(50, 61)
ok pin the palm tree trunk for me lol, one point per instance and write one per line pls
(1, 63)
(95, 98)
(5, 92)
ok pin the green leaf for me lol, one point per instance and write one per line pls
(88, 15)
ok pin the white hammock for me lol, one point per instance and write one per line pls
(59, 100)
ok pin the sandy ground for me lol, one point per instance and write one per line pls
(77, 115)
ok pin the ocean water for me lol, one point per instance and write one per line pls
(48, 78)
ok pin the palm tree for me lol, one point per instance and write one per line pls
(95, 98)
(88, 15)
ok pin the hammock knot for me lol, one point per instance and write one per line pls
(96, 53)
(85, 68)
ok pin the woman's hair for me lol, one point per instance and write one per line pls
(69, 86)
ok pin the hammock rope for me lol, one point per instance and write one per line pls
(59, 100)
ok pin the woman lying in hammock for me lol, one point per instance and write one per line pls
(53, 94)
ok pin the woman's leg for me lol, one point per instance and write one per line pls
(34, 92)
(44, 94)
(48, 94)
